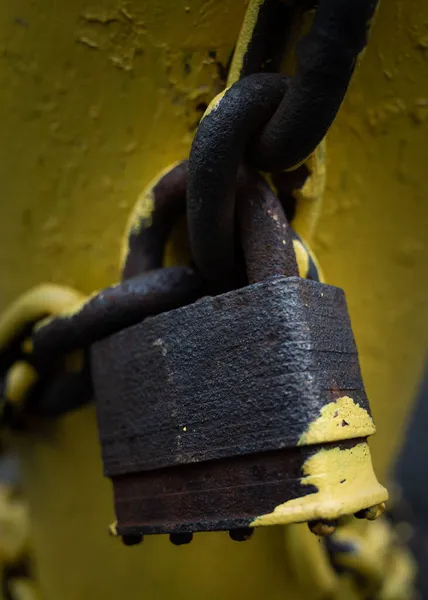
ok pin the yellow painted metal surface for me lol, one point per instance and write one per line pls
(97, 96)
(343, 478)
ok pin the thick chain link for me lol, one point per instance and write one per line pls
(264, 119)
(268, 121)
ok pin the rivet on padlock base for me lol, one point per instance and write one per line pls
(241, 410)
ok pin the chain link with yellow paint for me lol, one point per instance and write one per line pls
(22, 376)
(44, 303)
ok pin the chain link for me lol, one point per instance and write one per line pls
(266, 120)
(270, 122)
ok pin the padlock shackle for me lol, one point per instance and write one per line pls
(264, 231)
(265, 235)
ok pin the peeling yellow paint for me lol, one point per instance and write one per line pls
(342, 419)
(244, 38)
(145, 208)
(214, 104)
(141, 214)
(311, 195)
(346, 484)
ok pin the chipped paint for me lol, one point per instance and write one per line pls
(341, 419)
(75, 172)
(116, 32)
(346, 484)
(310, 196)
(214, 104)
(244, 38)
(141, 214)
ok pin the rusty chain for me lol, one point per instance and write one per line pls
(272, 122)
(264, 120)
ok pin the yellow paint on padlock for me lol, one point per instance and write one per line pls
(345, 481)
(341, 419)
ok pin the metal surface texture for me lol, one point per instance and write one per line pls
(145, 289)
(38, 334)
(213, 169)
(246, 374)
(220, 495)
(152, 224)
(79, 121)
(270, 36)
(274, 122)
(116, 308)
(272, 354)
(265, 235)
(326, 59)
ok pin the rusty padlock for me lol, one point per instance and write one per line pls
(240, 410)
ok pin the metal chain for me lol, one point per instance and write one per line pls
(36, 370)
(271, 122)
(34, 346)
(267, 120)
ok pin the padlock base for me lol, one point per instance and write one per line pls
(306, 483)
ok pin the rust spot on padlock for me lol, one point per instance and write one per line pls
(219, 415)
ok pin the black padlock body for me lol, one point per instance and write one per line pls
(201, 409)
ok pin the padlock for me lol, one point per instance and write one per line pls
(240, 410)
